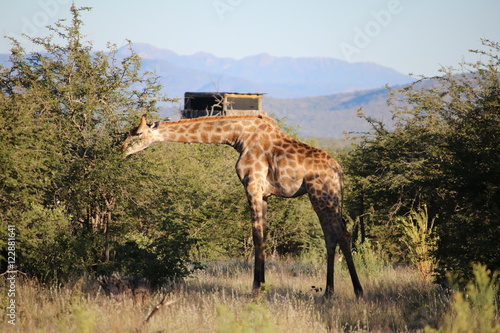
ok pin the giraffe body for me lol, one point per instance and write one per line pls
(270, 163)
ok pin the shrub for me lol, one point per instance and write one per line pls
(420, 240)
(475, 309)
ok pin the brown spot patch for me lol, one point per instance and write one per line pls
(195, 128)
(216, 138)
(278, 151)
(204, 136)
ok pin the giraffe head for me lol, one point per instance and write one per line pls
(139, 138)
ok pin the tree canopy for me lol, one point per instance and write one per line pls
(78, 206)
(63, 183)
(443, 151)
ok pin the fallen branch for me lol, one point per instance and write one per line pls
(156, 308)
(13, 272)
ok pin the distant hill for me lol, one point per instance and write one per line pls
(333, 115)
(319, 94)
(278, 77)
(328, 116)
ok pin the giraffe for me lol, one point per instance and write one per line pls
(270, 163)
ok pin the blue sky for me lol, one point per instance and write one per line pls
(411, 36)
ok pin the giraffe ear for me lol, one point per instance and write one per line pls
(143, 125)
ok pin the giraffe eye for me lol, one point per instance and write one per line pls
(135, 132)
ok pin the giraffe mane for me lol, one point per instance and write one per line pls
(202, 119)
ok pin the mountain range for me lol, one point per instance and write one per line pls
(278, 77)
(320, 95)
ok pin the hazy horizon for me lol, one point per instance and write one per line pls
(409, 36)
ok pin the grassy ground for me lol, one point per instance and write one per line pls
(218, 299)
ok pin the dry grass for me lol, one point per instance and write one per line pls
(218, 300)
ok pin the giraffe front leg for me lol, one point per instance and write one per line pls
(259, 233)
(330, 268)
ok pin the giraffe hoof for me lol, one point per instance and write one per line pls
(316, 289)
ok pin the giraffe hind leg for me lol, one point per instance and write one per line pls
(345, 246)
(325, 218)
(335, 233)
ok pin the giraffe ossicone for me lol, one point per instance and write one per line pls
(270, 163)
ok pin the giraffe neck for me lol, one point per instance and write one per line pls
(234, 131)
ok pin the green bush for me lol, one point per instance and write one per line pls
(440, 149)
(65, 187)
(420, 240)
(254, 317)
(475, 309)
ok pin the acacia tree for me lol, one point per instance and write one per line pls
(64, 184)
(79, 206)
(442, 151)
